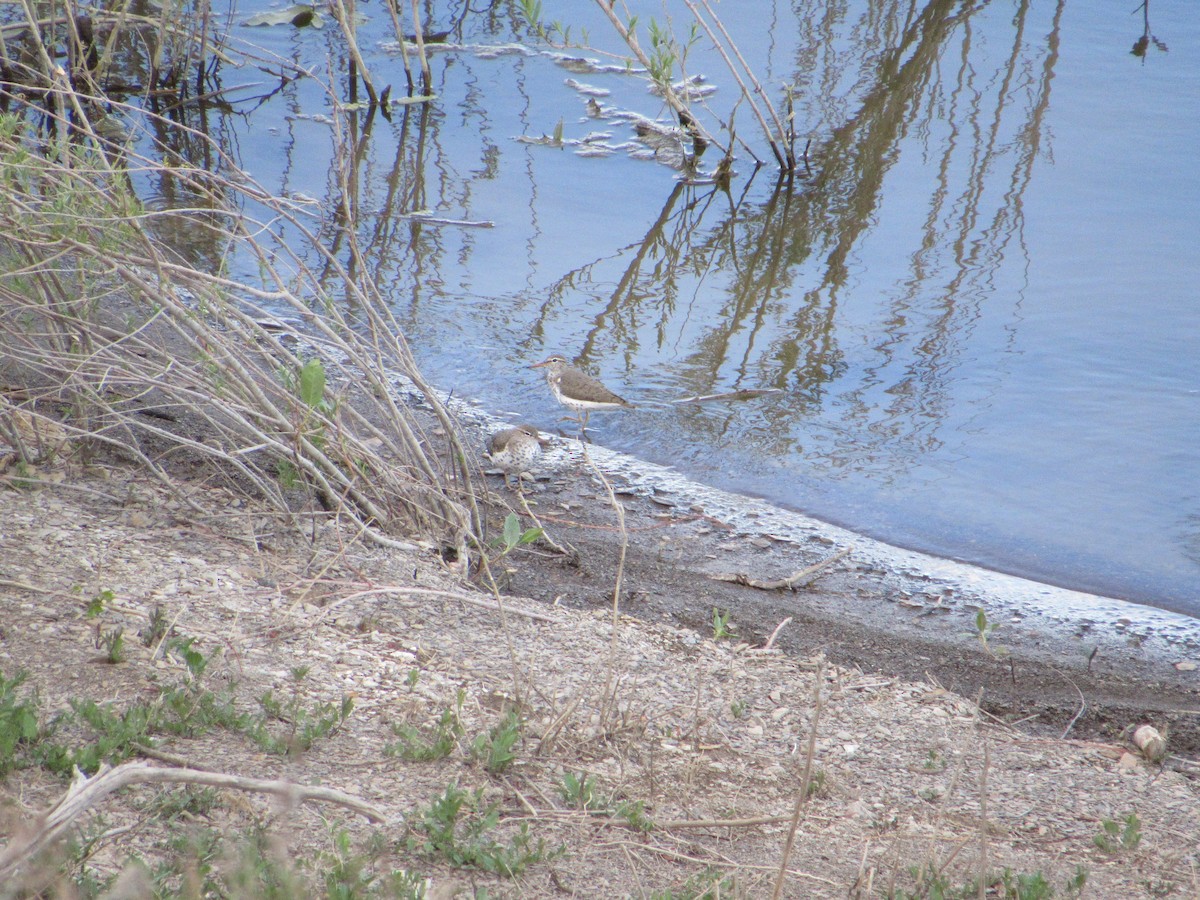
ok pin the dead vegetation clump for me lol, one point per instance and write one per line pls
(114, 344)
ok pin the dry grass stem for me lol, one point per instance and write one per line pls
(142, 348)
(805, 781)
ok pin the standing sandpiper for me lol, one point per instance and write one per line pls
(513, 450)
(578, 390)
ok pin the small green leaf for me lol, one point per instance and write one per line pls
(512, 531)
(312, 383)
(96, 607)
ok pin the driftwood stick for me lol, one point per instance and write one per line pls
(742, 394)
(779, 584)
(85, 793)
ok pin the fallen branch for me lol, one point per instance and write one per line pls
(674, 520)
(743, 394)
(722, 823)
(85, 793)
(779, 584)
(482, 602)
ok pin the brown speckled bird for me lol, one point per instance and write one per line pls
(514, 450)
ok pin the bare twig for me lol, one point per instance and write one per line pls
(983, 812)
(774, 634)
(85, 793)
(483, 603)
(346, 17)
(784, 157)
(610, 680)
(1078, 712)
(805, 781)
(419, 40)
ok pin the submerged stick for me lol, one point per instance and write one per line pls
(742, 394)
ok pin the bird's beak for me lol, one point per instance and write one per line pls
(539, 365)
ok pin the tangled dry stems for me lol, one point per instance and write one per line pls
(120, 344)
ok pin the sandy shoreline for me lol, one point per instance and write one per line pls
(1055, 656)
(868, 712)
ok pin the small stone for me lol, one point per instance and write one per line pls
(1128, 763)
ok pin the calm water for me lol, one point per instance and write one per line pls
(980, 308)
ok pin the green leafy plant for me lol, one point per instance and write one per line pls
(190, 801)
(249, 865)
(580, 792)
(1010, 885)
(513, 536)
(1076, 882)
(156, 628)
(496, 748)
(1026, 886)
(457, 827)
(288, 474)
(818, 784)
(112, 642)
(347, 874)
(551, 32)
(1119, 836)
(307, 725)
(984, 630)
(633, 812)
(116, 732)
(19, 727)
(425, 744)
(666, 51)
(97, 604)
(195, 661)
(709, 884)
(722, 628)
(311, 386)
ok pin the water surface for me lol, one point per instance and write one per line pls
(978, 303)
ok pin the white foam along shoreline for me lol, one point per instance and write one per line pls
(1054, 612)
